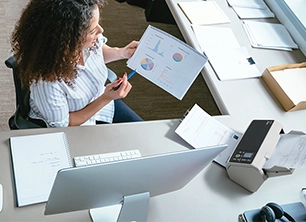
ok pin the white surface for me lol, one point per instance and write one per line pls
(245, 99)
(208, 194)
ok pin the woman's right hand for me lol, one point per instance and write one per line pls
(119, 93)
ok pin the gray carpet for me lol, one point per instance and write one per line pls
(122, 23)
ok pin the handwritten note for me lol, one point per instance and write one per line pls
(36, 160)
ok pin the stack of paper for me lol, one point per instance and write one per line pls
(251, 9)
(228, 59)
(268, 35)
(203, 12)
(293, 82)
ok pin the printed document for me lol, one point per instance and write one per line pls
(228, 59)
(268, 35)
(200, 130)
(233, 64)
(167, 61)
(289, 152)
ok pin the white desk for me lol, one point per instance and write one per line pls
(248, 99)
(210, 196)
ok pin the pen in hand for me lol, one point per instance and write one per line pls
(128, 77)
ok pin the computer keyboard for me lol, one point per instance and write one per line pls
(106, 157)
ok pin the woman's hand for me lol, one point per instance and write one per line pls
(121, 92)
(114, 53)
(79, 117)
(129, 49)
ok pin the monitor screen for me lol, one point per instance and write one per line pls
(128, 181)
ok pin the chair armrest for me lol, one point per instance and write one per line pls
(10, 62)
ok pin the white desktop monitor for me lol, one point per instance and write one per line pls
(130, 182)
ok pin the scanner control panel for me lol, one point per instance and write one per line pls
(251, 141)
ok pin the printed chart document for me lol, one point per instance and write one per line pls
(203, 12)
(36, 160)
(200, 130)
(167, 61)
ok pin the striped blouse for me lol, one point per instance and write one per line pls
(52, 101)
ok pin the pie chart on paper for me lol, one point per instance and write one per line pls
(147, 64)
(177, 57)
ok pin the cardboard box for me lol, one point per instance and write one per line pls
(288, 83)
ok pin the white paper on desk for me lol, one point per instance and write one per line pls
(268, 35)
(289, 152)
(232, 64)
(259, 4)
(251, 9)
(167, 61)
(210, 37)
(200, 130)
(203, 12)
(248, 13)
(293, 82)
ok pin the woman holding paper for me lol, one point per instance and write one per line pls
(61, 54)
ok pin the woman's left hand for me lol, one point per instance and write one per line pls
(129, 49)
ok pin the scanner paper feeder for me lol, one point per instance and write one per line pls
(245, 165)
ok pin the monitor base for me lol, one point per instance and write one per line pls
(134, 208)
(105, 214)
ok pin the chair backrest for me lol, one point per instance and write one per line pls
(20, 119)
(22, 94)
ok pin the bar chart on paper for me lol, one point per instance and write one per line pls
(166, 61)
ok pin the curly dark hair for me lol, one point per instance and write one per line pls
(47, 40)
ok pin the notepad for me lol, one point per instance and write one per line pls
(203, 12)
(36, 160)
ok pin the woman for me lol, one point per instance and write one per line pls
(61, 54)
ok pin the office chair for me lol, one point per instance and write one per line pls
(20, 119)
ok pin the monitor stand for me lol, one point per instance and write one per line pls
(133, 208)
